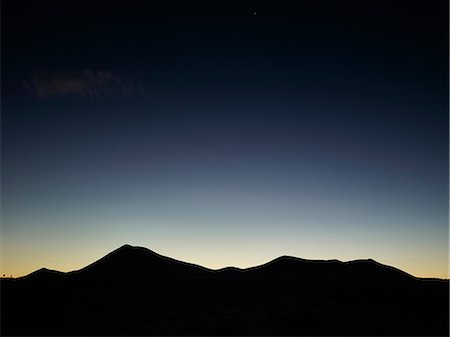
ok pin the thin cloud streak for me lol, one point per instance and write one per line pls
(84, 84)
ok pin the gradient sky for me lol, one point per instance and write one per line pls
(225, 133)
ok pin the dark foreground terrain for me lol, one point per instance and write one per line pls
(134, 291)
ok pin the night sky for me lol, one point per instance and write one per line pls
(225, 133)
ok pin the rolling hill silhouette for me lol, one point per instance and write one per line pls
(135, 291)
(129, 263)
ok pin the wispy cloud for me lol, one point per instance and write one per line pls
(86, 83)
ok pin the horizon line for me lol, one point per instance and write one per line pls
(129, 246)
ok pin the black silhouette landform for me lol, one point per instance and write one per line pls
(135, 291)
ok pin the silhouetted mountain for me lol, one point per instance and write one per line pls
(329, 270)
(135, 291)
(129, 263)
(44, 274)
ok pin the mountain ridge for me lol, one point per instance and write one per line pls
(126, 253)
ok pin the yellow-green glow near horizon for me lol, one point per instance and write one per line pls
(240, 226)
(224, 227)
(18, 260)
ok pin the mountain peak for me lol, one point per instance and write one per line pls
(139, 264)
(128, 247)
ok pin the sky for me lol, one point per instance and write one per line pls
(225, 133)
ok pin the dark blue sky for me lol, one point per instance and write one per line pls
(225, 133)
